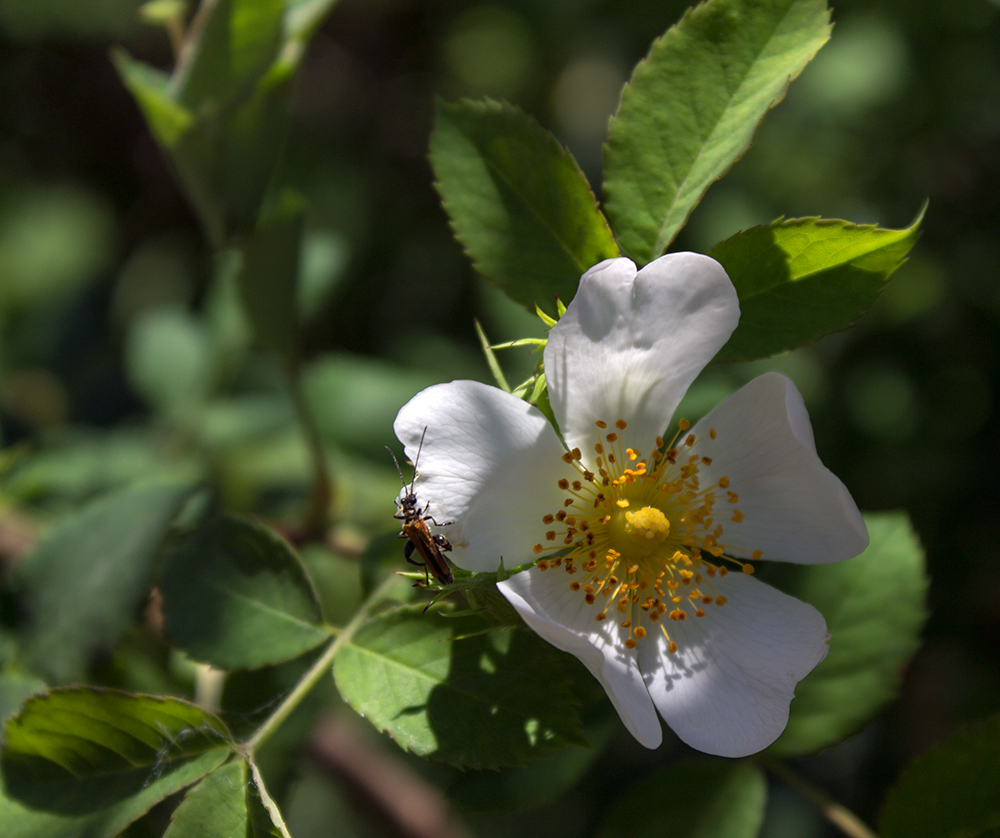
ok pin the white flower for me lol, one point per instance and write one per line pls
(643, 539)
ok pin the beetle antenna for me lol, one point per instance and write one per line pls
(401, 478)
(417, 459)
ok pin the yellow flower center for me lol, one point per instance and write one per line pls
(646, 538)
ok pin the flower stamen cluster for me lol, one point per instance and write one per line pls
(644, 536)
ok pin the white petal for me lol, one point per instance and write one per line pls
(564, 619)
(489, 463)
(796, 509)
(630, 344)
(727, 689)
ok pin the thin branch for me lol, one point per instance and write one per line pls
(317, 671)
(840, 816)
(317, 516)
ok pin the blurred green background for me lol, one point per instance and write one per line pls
(123, 350)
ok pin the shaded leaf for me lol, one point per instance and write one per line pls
(693, 105)
(517, 201)
(179, 387)
(237, 597)
(87, 576)
(270, 273)
(230, 45)
(17, 821)
(874, 609)
(705, 799)
(803, 278)
(951, 791)
(442, 688)
(225, 804)
(80, 750)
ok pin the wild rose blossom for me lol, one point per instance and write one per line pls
(646, 543)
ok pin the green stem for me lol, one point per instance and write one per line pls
(315, 673)
(840, 816)
(317, 514)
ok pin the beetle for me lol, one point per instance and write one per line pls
(430, 546)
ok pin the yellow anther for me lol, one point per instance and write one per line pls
(600, 424)
(683, 424)
(537, 548)
(621, 424)
(756, 555)
(748, 569)
(647, 524)
(623, 503)
(542, 565)
(711, 433)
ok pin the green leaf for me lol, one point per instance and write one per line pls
(874, 609)
(517, 201)
(270, 273)
(177, 388)
(693, 105)
(302, 17)
(17, 821)
(87, 575)
(442, 687)
(229, 46)
(951, 791)
(14, 689)
(150, 87)
(225, 804)
(237, 597)
(80, 750)
(704, 799)
(803, 278)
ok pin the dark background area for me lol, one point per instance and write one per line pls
(903, 104)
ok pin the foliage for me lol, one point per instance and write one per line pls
(195, 534)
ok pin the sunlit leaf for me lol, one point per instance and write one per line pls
(87, 575)
(951, 791)
(803, 278)
(236, 596)
(693, 105)
(874, 608)
(517, 201)
(441, 687)
(708, 799)
(81, 750)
